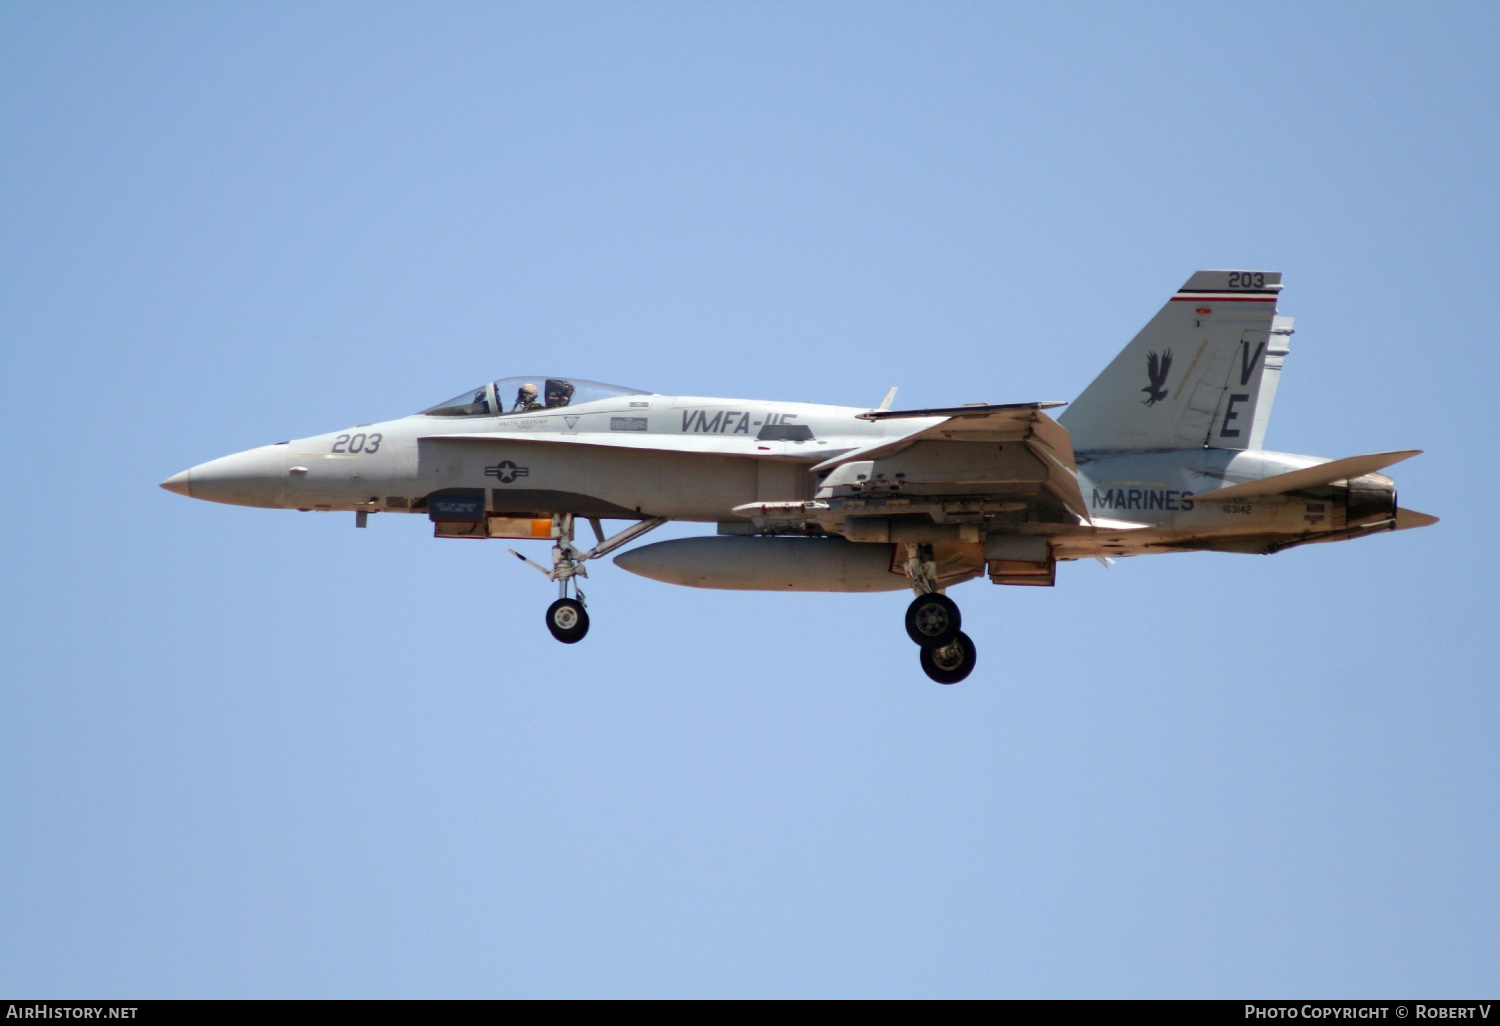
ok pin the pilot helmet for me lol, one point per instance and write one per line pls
(526, 394)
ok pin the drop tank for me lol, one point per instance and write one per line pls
(767, 564)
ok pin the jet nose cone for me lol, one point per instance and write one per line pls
(255, 477)
(178, 483)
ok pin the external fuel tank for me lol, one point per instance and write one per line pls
(741, 563)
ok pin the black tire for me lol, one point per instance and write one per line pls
(932, 620)
(952, 663)
(567, 620)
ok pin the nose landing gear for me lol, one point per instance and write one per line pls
(933, 622)
(566, 618)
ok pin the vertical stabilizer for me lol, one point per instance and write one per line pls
(1192, 377)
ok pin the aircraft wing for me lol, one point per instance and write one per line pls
(718, 445)
(981, 423)
(1310, 477)
(1010, 422)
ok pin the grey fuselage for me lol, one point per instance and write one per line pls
(697, 459)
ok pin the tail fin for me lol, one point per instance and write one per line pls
(1202, 361)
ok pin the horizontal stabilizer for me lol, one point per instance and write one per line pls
(1310, 477)
(1406, 518)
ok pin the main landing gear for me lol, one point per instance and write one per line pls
(933, 622)
(567, 618)
(951, 663)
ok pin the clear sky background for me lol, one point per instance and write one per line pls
(257, 753)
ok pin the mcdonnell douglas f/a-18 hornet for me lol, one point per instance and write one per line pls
(1161, 453)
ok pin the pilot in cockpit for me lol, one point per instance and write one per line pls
(526, 398)
(559, 392)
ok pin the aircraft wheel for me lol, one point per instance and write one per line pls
(932, 620)
(567, 620)
(951, 663)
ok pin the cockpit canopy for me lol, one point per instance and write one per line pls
(517, 395)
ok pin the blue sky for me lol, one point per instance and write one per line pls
(251, 753)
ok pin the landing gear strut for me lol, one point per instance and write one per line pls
(933, 622)
(567, 618)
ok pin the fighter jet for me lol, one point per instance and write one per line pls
(1161, 453)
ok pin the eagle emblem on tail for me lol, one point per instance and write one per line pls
(1157, 368)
